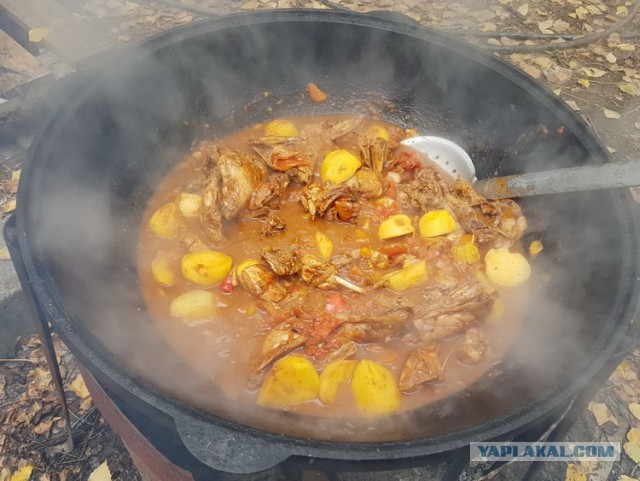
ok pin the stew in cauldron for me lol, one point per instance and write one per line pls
(316, 265)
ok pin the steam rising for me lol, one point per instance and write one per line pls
(90, 183)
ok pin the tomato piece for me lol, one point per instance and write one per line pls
(336, 303)
(346, 207)
(393, 249)
(226, 285)
(391, 192)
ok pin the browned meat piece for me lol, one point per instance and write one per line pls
(266, 191)
(317, 199)
(340, 128)
(192, 243)
(284, 262)
(452, 310)
(345, 209)
(473, 347)
(316, 271)
(262, 283)
(345, 351)
(374, 152)
(240, 175)
(485, 218)
(280, 341)
(292, 155)
(425, 192)
(210, 215)
(421, 366)
(272, 223)
(368, 183)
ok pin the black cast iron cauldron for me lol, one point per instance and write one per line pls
(100, 156)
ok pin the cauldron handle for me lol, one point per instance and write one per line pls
(227, 449)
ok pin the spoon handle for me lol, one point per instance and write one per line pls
(574, 179)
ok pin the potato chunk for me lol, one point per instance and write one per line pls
(375, 390)
(507, 269)
(292, 380)
(335, 374)
(436, 223)
(189, 204)
(167, 221)
(325, 246)
(535, 248)
(162, 269)
(466, 251)
(206, 268)
(410, 275)
(395, 226)
(243, 265)
(280, 128)
(376, 131)
(339, 166)
(193, 305)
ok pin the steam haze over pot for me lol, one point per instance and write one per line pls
(100, 159)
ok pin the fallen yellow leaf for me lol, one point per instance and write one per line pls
(602, 414)
(523, 9)
(611, 58)
(593, 72)
(79, 387)
(611, 150)
(632, 450)
(611, 114)
(628, 89)
(584, 82)
(626, 47)
(22, 474)
(633, 436)
(4, 254)
(101, 473)
(622, 11)
(37, 35)
(573, 105)
(575, 473)
(624, 477)
(635, 409)
(9, 207)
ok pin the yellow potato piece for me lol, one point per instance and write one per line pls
(374, 389)
(167, 221)
(325, 246)
(193, 305)
(409, 276)
(162, 269)
(378, 131)
(206, 268)
(535, 248)
(339, 166)
(243, 265)
(335, 374)
(466, 252)
(189, 204)
(292, 380)
(507, 269)
(436, 223)
(280, 128)
(395, 226)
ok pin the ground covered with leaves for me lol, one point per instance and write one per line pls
(33, 432)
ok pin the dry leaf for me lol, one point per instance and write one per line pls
(523, 9)
(581, 12)
(624, 477)
(489, 27)
(9, 207)
(573, 105)
(560, 26)
(626, 47)
(611, 150)
(633, 436)
(593, 72)
(632, 450)
(611, 114)
(627, 89)
(635, 407)
(545, 26)
(505, 2)
(37, 35)
(575, 473)
(4, 254)
(22, 474)
(557, 91)
(621, 11)
(602, 413)
(573, 64)
(101, 473)
(531, 70)
(584, 82)
(611, 58)
(542, 62)
(625, 372)
(43, 427)
(79, 387)
(5, 474)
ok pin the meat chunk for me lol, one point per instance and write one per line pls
(421, 366)
(317, 199)
(425, 192)
(210, 215)
(339, 128)
(452, 310)
(374, 152)
(292, 155)
(284, 262)
(279, 341)
(268, 190)
(368, 183)
(486, 219)
(474, 346)
(316, 271)
(262, 283)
